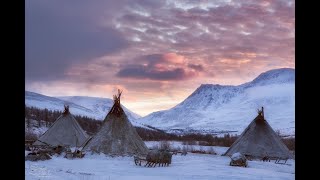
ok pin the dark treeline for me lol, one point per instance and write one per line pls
(188, 139)
(45, 117)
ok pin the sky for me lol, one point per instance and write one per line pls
(157, 52)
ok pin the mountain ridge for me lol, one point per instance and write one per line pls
(219, 108)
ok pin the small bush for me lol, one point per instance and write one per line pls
(211, 151)
(184, 150)
(184, 143)
(176, 149)
(30, 136)
(165, 145)
(204, 143)
(190, 148)
(190, 142)
(155, 146)
(199, 151)
(202, 151)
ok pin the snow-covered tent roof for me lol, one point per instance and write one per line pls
(117, 136)
(259, 140)
(65, 131)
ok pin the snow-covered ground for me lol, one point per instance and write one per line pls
(191, 166)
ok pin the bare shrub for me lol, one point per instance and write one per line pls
(199, 151)
(184, 151)
(203, 151)
(155, 146)
(184, 142)
(190, 148)
(165, 145)
(190, 142)
(204, 143)
(201, 148)
(29, 135)
(211, 151)
(178, 148)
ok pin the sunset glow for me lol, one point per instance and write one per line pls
(157, 52)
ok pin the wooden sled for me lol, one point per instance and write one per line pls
(138, 160)
(281, 161)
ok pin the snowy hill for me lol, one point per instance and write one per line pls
(97, 105)
(93, 107)
(216, 108)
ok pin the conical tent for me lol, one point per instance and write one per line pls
(117, 136)
(65, 131)
(259, 140)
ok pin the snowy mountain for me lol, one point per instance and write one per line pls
(93, 107)
(217, 108)
(275, 76)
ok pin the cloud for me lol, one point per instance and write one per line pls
(216, 29)
(59, 35)
(197, 67)
(141, 72)
(163, 67)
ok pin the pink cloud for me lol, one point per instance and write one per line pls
(160, 67)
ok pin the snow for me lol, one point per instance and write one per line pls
(191, 166)
(219, 109)
(236, 156)
(26, 153)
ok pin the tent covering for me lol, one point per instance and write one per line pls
(117, 136)
(65, 131)
(259, 140)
